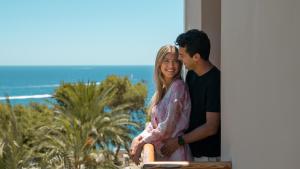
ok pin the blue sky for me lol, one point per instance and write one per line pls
(87, 32)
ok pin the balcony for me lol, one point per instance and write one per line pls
(149, 162)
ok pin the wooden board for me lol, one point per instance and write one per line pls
(187, 165)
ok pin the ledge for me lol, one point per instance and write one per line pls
(187, 165)
(149, 162)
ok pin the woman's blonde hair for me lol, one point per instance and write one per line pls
(158, 76)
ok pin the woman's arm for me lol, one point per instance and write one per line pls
(137, 144)
(166, 128)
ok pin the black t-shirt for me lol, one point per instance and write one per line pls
(205, 97)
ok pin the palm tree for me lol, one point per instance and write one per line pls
(89, 118)
(17, 134)
(86, 123)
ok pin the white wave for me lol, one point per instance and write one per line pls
(39, 96)
(29, 87)
(37, 86)
(43, 86)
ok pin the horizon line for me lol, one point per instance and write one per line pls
(74, 65)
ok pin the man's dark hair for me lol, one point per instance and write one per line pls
(195, 41)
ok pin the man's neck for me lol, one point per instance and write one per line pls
(203, 67)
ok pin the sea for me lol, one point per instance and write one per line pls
(25, 84)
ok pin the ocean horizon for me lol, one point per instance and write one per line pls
(36, 83)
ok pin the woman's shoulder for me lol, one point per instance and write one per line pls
(178, 84)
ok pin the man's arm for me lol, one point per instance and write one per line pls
(208, 129)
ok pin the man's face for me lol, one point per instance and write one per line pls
(186, 58)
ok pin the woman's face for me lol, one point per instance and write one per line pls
(169, 67)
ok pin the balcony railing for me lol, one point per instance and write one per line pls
(149, 162)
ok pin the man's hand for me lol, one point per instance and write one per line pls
(170, 146)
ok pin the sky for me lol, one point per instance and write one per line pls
(87, 32)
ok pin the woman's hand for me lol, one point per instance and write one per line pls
(136, 157)
(136, 149)
(134, 144)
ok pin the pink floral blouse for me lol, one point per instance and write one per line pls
(169, 119)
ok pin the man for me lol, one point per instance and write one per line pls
(203, 80)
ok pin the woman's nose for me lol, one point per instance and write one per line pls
(172, 64)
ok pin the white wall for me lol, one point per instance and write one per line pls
(206, 15)
(260, 64)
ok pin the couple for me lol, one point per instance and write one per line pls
(185, 117)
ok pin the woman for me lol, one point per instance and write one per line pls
(169, 108)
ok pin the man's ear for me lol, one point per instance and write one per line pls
(196, 57)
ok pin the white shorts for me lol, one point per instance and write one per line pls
(203, 158)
